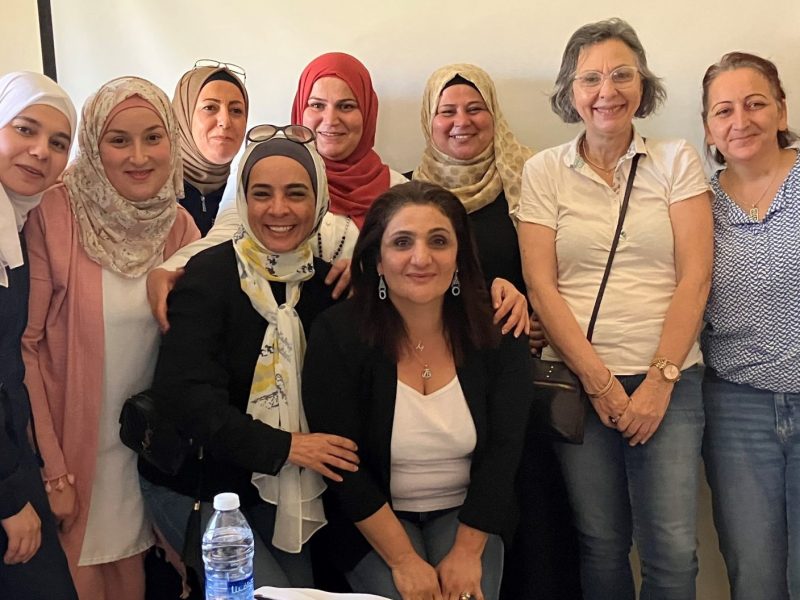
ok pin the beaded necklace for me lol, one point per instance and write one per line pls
(339, 247)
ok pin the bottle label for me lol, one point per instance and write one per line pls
(242, 585)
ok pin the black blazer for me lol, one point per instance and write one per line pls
(205, 371)
(350, 389)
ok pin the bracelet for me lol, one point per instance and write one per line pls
(606, 388)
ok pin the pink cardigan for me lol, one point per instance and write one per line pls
(63, 346)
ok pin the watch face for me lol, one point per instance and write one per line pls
(671, 372)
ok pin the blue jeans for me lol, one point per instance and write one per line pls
(432, 535)
(170, 512)
(752, 455)
(647, 493)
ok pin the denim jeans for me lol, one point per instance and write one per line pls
(432, 535)
(647, 493)
(752, 455)
(170, 510)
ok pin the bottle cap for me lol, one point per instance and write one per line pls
(226, 501)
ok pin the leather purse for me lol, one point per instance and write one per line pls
(147, 432)
(560, 402)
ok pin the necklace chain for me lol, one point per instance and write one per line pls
(585, 156)
(426, 370)
(753, 212)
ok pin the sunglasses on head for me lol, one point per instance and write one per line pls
(294, 133)
(210, 62)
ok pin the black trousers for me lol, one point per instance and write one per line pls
(543, 561)
(46, 575)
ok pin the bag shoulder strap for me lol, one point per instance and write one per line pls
(614, 244)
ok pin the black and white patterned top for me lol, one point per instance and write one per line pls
(753, 313)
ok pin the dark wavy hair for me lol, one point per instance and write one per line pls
(467, 317)
(653, 92)
(743, 60)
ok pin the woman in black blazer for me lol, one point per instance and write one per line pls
(229, 366)
(413, 370)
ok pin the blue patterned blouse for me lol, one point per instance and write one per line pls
(753, 313)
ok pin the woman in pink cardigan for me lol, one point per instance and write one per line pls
(90, 341)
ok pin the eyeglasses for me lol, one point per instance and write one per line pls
(210, 62)
(293, 133)
(621, 77)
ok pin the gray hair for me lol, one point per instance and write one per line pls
(653, 92)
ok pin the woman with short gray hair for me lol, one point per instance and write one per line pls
(635, 475)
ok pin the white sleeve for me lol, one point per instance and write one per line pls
(687, 178)
(537, 202)
(396, 178)
(225, 226)
(229, 195)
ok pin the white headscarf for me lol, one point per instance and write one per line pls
(18, 91)
(275, 394)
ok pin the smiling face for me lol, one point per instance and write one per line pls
(608, 109)
(333, 114)
(219, 121)
(462, 127)
(280, 203)
(135, 152)
(34, 147)
(744, 116)
(418, 255)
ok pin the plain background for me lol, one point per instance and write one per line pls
(519, 43)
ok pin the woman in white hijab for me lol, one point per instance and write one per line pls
(37, 120)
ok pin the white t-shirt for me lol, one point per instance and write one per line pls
(561, 192)
(335, 230)
(433, 438)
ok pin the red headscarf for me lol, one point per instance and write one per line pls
(356, 181)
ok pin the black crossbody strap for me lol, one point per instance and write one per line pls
(614, 245)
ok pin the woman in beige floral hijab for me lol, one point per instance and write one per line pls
(91, 341)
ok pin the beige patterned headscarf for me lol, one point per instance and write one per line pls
(121, 235)
(477, 181)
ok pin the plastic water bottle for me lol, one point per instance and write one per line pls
(228, 552)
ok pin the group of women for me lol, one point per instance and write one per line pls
(390, 426)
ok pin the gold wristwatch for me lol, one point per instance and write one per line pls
(669, 370)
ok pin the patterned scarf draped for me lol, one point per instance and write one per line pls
(18, 91)
(479, 180)
(356, 181)
(205, 176)
(275, 395)
(124, 236)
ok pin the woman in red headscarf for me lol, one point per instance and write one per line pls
(336, 100)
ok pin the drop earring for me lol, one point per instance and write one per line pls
(381, 287)
(455, 285)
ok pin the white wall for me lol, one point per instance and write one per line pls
(518, 42)
(19, 37)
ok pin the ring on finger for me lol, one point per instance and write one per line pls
(465, 596)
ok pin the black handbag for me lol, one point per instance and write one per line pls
(147, 432)
(560, 402)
